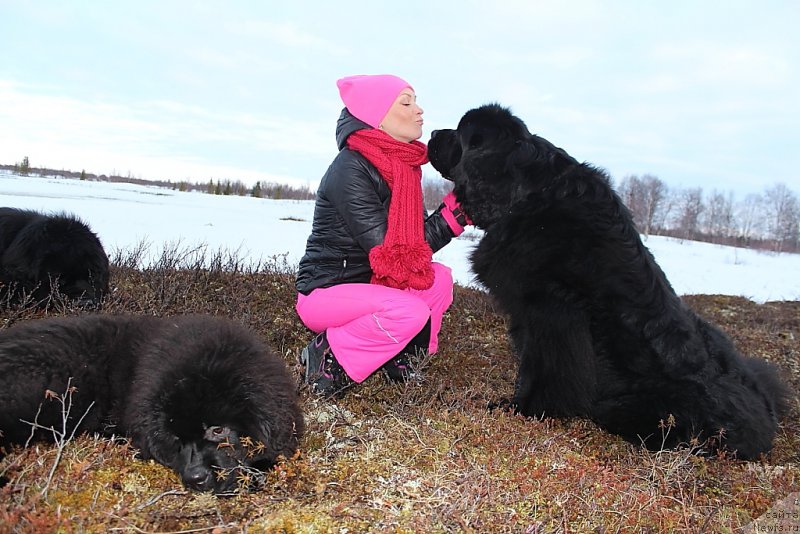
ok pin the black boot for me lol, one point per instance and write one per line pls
(323, 372)
(399, 368)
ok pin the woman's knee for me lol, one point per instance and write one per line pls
(443, 275)
(443, 284)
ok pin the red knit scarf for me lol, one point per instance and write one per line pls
(404, 258)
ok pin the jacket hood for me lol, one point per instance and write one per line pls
(346, 125)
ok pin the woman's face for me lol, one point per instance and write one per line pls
(404, 119)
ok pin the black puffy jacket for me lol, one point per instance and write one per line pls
(350, 217)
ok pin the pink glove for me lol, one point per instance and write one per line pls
(452, 213)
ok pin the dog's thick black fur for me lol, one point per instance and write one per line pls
(199, 394)
(42, 253)
(598, 329)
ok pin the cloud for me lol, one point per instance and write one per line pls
(284, 34)
(156, 139)
(736, 67)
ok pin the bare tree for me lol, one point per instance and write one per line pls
(644, 197)
(718, 216)
(629, 192)
(783, 217)
(688, 210)
(433, 190)
(665, 210)
(655, 191)
(749, 216)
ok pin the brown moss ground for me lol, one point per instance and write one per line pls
(421, 457)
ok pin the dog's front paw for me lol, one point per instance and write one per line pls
(506, 405)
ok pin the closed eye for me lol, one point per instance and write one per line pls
(475, 141)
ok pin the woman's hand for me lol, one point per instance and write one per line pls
(453, 214)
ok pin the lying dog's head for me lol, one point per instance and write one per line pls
(214, 404)
(494, 161)
(223, 460)
(233, 454)
(55, 255)
(224, 432)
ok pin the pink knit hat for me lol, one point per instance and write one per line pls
(369, 97)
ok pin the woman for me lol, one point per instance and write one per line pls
(367, 283)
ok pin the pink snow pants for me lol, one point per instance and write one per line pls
(370, 324)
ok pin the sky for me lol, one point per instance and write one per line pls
(126, 216)
(699, 94)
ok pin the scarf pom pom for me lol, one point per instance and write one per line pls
(402, 265)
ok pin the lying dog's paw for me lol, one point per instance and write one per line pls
(506, 405)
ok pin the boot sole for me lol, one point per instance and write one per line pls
(308, 378)
(325, 392)
(304, 362)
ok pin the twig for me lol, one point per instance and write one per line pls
(152, 500)
(59, 437)
(130, 527)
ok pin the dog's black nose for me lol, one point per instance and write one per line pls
(434, 133)
(198, 478)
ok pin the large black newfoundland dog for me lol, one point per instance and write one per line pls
(41, 253)
(199, 394)
(598, 330)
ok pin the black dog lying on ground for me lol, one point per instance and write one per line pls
(199, 394)
(598, 330)
(40, 254)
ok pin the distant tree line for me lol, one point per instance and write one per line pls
(434, 188)
(214, 187)
(769, 221)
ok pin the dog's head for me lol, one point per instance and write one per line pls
(58, 255)
(228, 435)
(223, 459)
(494, 161)
(221, 417)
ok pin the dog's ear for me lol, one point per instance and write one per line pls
(560, 160)
(537, 155)
(278, 429)
(541, 153)
(525, 154)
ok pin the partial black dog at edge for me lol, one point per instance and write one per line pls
(199, 394)
(43, 255)
(598, 329)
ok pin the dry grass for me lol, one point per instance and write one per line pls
(421, 457)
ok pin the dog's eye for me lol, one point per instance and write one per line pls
(475, 141)
(217, 433)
